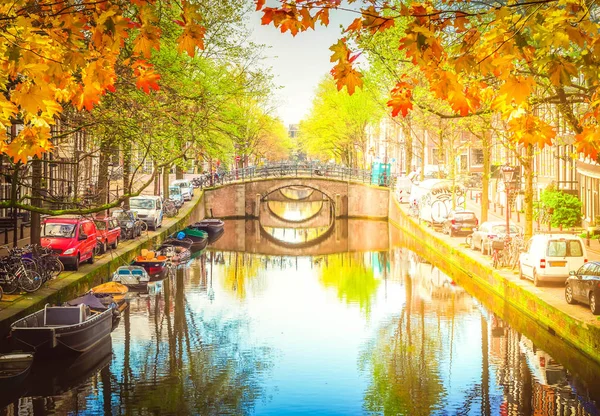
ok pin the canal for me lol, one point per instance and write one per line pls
(320, 318)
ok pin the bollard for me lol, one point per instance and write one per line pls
(587, 238)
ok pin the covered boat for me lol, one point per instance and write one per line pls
(100, 302)
(179, 242)
(134, 277)
(14, 367)
(211, 225)
(57, 330)
(199, 237)
(214, 237)
(151, 261)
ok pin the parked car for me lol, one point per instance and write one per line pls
(460, 222)
(109, 232)
(402, 190)
(187, 190)
(550, 257)
(583, 286)
(149, 209)
(130, 228)
(175, 196)
(489, 231)
(73, 238)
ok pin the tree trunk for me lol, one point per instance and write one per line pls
(528, 172)
(165, 184)
(178, 172)
(408, 149)
(36, 184)
(485, 181)
(126, 173)
(422, 172)
(105, 154)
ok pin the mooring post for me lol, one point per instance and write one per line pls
(338, 205)
(257, 206)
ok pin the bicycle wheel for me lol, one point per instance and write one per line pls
(495, 259)
(30, 264)
(10, 284)
(29, 280)
(54, 267)
(143, 227)
(468, 239)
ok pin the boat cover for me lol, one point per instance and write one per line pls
(111, 287)
(88, 299)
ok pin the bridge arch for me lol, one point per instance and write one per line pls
(281, 184)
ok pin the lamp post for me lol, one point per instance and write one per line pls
(508, 173)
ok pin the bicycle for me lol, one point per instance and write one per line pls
(170, 209)
(499, 252)
(15, 274)
(47, 262)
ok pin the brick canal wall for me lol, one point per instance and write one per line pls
(556, 331)
(72, 284)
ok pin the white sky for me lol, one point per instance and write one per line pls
(298, 63)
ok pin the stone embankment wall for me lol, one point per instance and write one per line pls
(498, 293)
(73, 284)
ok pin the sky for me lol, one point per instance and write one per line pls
(298, 63)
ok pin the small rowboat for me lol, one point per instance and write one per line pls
(199, 237)
(136, 278)
(179, 242)
(150, 261)
(211, 225)
(14, 368)
(175, 254)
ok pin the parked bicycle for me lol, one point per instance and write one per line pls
(170, 209)
(18, 272)
(46, 261)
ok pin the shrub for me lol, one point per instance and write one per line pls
(566, 207)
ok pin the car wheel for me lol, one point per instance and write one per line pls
(594, 307)
(536, 281)
(450, 231)
(569, 294)
(104, 247)
(472, 244)
(77, 263)
(521, 275)
(116, 243)
(482, 247)
(92, 258)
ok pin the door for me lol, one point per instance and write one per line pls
(577, 283)
(83, 250)
(526, 259)
(90, 242)
(589, 280)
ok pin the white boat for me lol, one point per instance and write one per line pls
(134, 277)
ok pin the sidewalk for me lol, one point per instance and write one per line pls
(593, 249)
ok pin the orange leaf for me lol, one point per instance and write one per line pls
(259, 4)
(517, 89)
(528, 129)
(340, 51)
(401, 100)
(588, 142)
(146, 79)
(561, 71)
(191, 38)
(31, 141)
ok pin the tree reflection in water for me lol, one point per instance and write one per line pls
(181, 361)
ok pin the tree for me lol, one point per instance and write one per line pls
(336, 124)
(566, 208)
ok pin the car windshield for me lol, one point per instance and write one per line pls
(174, 190)
(53, 229)
(141, 204)
(563, 248)
(121, 216)
(501, 229)
(101, 225)
(464, 216)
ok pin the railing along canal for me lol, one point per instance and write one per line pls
(295, 170)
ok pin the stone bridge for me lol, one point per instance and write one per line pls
(349, 199)
(249, 236)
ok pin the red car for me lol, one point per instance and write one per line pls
(72, 238)
(109, 233)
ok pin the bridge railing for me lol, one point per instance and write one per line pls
(295, 170)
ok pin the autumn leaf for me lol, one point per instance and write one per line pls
(259, 4)
(530, 130)
(147, 79)
(588, 142)
(31, 141)
(401, 101)
(191, 38)
(517, 89)
(340, 51)
(561, 71)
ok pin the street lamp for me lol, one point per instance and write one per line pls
(508, 176)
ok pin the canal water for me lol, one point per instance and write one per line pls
(310, 319)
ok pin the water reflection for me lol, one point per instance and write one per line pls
(351, 332)
(296, 211)
(297, 192)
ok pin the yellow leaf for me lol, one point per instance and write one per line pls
(517, 89)
(561, 71)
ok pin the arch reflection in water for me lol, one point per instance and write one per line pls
(296, 211)
(297, 192)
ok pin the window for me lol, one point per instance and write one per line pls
(476, 157)
(81, 232)
(575, 248)
(101, 225)
(564, 248)
(52, 229)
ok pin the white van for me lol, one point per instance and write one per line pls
(187, 190)
(149, 210)
(550, 257)
(402, 189)
(434, 197)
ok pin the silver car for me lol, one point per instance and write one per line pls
(491, 230)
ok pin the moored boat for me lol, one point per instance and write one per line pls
(136, 278)
(174, 254)
(214, 237)
(14, 367)
(57, 330)
(179, 242)
(211, 225)
(199, 237)
(150, 261)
